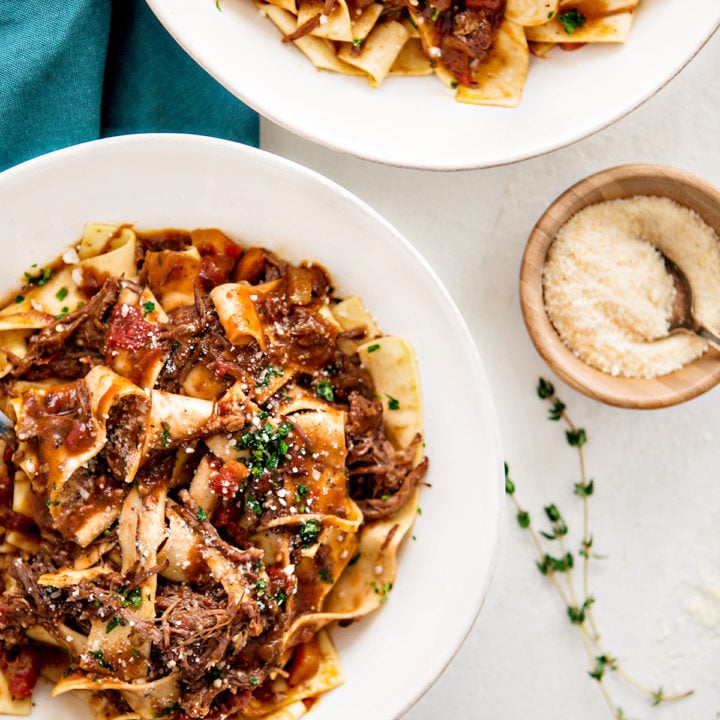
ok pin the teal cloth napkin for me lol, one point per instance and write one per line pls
(77, 70)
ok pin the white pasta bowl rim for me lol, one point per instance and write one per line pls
(167, 180)
(415, 122)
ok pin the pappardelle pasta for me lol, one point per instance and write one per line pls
(215, 459)
(479, 48)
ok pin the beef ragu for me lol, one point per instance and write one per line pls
(478, 48)
(462, 31)
(213, 463)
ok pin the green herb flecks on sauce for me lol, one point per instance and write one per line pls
(572, 20)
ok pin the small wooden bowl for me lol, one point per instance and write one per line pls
(618, 182)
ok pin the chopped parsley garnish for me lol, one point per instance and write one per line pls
(373, 347)
(268, 373)
(572, 20)
(302, 491)
(267, 447)
(201, 515)
(19, 299)
(40, 278)
(393, 403)
(62, 313)
(116, 620)
(61, 294)
(324, 390)
(436, 14)
(454, 84)
(357, 43)
(254, 681)
(253, 506)
(133, 598)
(99, 658)
(383, 590)
(325, 575)
(148, 307)
(165, 436)
(280, 598)
(309, 532)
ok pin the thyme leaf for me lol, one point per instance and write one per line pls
(559, 567)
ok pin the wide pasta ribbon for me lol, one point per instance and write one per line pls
(79, 442)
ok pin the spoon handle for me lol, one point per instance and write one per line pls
(712, 339)
(7, 429)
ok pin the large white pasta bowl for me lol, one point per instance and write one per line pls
(154, 181)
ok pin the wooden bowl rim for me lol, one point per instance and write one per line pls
(683, 384)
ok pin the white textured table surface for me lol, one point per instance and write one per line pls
(656, 509)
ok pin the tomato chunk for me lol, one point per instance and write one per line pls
(128, 330)
(226, 481)
(22, 673)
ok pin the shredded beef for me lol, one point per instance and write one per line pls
(70, 346)
(196, 628)
(225, 605)
(259, 265)
(381, 477)
(466, 32)
(196, 337)
(348, 376)
(210, 535)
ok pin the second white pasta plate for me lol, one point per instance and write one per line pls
(154, 181)
(415, 122)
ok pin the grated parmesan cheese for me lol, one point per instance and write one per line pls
(70, 256)
(609, 295)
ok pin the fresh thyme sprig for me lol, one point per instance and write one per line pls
(578, 605)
